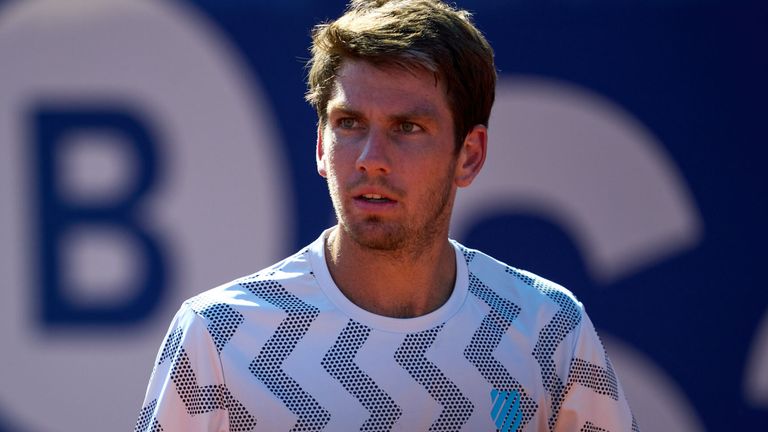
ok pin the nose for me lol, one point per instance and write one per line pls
(374, 156)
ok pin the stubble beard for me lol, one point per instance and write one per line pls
(408, 237)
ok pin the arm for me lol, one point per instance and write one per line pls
(186, 391)
(593, 400)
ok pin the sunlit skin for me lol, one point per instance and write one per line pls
(388, 153)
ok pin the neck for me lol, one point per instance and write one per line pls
(399, 283)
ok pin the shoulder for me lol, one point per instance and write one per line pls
(519, 286)
(291, 274)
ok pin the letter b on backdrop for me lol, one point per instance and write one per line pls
(64, 215)
(139, 165)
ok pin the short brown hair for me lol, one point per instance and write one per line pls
(426, 34)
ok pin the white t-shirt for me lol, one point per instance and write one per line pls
(285, 350)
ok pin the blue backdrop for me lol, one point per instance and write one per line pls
(692, 73)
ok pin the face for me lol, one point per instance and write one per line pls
(387, 150)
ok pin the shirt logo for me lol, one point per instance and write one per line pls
(506, 410)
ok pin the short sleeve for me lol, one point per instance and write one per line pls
(593, 400)
(186, 390)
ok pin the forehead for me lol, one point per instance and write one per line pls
(360, 85)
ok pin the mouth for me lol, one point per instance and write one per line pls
(374, 198)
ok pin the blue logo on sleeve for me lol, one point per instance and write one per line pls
(506, 410)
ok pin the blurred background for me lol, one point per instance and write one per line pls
(150, 150)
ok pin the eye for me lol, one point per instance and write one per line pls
(409, 127)
(347, 123)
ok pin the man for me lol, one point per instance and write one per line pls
(383, 323)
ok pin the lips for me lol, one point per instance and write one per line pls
(374, 198)
(373, 201)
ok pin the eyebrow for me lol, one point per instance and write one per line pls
(421, 111)
(342, 107)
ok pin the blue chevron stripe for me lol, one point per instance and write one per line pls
(487, 337)
(411, 356)
(268, 364)
(566, 319)
(196, 399)
(223, 321)
(591, 427)
(339, 362)
(171, 346)
(147, 421)
(602, 380)
(203, 399)
(469, 255)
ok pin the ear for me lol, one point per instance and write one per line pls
(471, 156)
(320, 152)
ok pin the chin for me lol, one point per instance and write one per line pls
(377, 235)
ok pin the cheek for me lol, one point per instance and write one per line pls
(331, 165)
(335, 166)
(339, 158)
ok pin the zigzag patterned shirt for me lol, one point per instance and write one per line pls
(285, 350)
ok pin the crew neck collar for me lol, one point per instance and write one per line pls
(397, 325)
